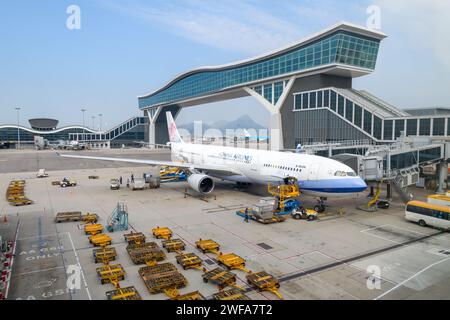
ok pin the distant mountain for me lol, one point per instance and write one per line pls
(244, 122)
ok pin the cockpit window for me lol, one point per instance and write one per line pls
(345, 174)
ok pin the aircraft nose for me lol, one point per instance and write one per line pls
(360, 185)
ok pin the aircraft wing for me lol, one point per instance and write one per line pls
(188, 166)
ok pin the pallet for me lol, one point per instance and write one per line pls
(68, 217)
(93, 229)
(232, 262)
(220, 277)
(142, 246)
(111, 273)
(230, 295)
(103, 255)
(192, 296)
(129, 293)
(162, 233)
(189, 261)
(159, 268)
(134, 238)
(147, 255)
(100, 240)
(90, 218)
(208, 246)
(162, 278)
(174, 245)
(263, 281)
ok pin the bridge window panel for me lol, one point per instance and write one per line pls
(305, 101)
(377, 127)
(319, 53)
(438, 127)
(333, 102)
(429, 155)
(326, 98)
(268, 92)
(367, 122)
(349, 110)
(399, 128)
(388, 126)
(404, 160)
(298, 101)
(341, 106)
(358, 116)
(424, 127)
(411, 127)
(312, 100)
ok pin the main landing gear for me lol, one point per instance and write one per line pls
(321, 205)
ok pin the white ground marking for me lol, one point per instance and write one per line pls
(366, 231)
(43, 236)
(412, 277)
(37, 271)
(79, 264)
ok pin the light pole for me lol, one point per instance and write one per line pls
(84, 130)
(93, 123)
(18, 127)
(100, 116)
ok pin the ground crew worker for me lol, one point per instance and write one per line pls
(246, 215)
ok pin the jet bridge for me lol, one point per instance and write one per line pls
(398, 164)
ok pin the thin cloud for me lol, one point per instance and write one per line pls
(239, 26)
(425, 24)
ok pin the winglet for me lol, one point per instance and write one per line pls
(174, 136)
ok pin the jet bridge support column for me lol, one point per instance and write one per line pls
(276, 125)
(442, 169)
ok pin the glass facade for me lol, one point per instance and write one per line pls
(382, 129)
(367, 122)
(399, 127)
(341, 47)
(133, 129)
(377, 127)
(358, 116)
(424, 127)
(341, 105)
(349, 111)
(388, 126)
(439, 127)
(411, 127)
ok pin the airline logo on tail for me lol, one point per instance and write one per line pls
(174, 136)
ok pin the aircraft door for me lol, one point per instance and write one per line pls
(313, 171)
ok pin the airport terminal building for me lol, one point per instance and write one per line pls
(129, 133)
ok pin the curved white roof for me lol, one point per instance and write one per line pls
(12, 126)
(340, 26)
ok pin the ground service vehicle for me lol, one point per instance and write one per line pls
(426, 214)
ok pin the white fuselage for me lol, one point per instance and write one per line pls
(316, 175)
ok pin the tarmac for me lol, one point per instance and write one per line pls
(336, 257)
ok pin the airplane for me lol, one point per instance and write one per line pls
(69, 145)
(254, 138)
(316, 176)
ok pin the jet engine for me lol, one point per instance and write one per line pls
(201, 183)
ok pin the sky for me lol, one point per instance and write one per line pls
(125, 49)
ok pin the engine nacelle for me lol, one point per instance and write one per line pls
(201, 183)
